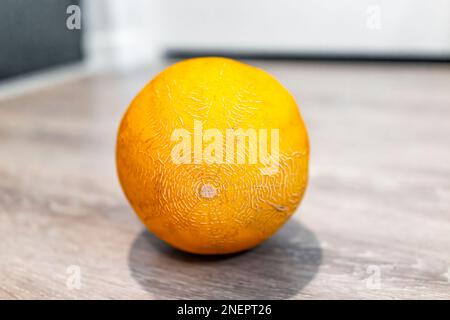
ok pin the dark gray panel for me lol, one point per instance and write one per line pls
(33, 36)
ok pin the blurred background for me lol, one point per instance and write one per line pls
(371, 77)
(35, 35)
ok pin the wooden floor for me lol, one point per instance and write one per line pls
(375, 221)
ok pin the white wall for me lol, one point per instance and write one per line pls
(133, 32)
(124, 33)
(406, 26)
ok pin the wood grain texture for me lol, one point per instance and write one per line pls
(378, 199)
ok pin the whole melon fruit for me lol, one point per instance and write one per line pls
(212, 154)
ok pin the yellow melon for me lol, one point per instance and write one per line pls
(212, 154)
